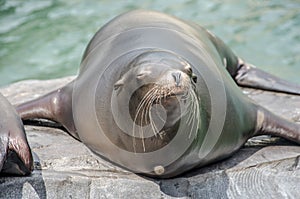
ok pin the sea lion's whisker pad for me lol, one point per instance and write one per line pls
(159, 96)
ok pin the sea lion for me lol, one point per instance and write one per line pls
(15, 154)
(158, 95)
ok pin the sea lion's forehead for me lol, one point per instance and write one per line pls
(160, 57)
(162, 65)
(153, 66)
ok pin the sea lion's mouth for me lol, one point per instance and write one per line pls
(150, 100)
(177, 95)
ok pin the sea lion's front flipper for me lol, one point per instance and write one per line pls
(249, 76)
(55, 106)
(271, 124)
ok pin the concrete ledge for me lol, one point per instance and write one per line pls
(64, 168)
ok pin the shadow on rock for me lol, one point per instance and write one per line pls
(213, 181)
(207, 182)
(32, 186)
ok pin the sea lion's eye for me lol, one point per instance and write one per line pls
(118, 84)
(189, 71)
(143, 74)
(140, 76)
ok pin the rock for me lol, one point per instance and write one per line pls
(266, 167)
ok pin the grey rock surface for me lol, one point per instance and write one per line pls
(266, 167)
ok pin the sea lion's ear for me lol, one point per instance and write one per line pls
(194, 77)
(118, 84)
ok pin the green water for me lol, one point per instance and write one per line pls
(45, 39)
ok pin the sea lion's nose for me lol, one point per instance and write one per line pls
(177, 78)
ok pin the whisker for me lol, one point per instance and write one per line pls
(144, 113)
(195, 118)
(146, 118)
(153, 126)
(140, 108)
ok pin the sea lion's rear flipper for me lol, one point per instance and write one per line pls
(249, 76)
(55, 106)
(271, 124)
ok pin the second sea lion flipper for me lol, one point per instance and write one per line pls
(15, 154)
(249, 76)
(3, 149)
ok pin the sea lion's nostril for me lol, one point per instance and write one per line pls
(177, 78)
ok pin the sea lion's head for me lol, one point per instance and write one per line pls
(159, 87)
